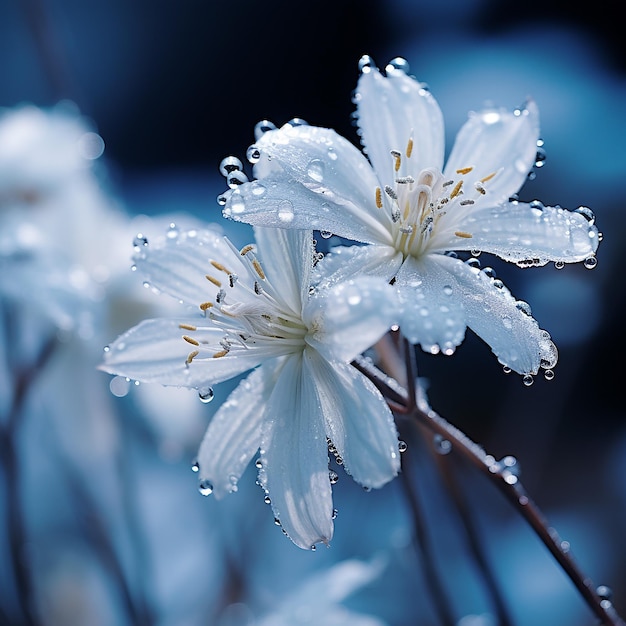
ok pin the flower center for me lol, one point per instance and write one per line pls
(425, 209)
(250, 311)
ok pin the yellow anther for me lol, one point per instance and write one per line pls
(191, 356)
(456, 190)
(379, 197)
(463, 235)
(484, 180)
(206, 305)
(409, 148)
(219, 354)
(465, 170)
(397, 162)
(218, 266)
(191, 340)
(216, 282)
(246, 249)
(187, 327)
(258, 268)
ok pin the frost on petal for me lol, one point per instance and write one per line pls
(234, 434)
(531, 234)
(287, 257)
(154, 351)
(432, 306)
(294, 458)
(501, 142)
(358, 421)
(501, 321)
(392, 111)
(178, 265)
(350, 317)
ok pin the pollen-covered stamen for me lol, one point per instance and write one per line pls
(191, 356)
(191, 340)
(379, 198)
(397, 159)
(213, 280)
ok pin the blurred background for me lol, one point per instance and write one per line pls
(96, 488)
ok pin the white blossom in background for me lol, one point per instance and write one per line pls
(416, 214)
(302, 399)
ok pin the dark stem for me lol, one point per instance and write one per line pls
(504, 479)
(432, 577)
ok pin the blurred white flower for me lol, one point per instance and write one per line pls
(415, 213)
(304, 399)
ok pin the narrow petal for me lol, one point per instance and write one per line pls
(234, 434)
(358, 421)
(504, 323)
(294, 455)
(350, 317)
(497, 141)
(432, 305)
(280, 202)
(346, 262)
(287, 257)
(392, 111)
(154, 351)
(178, 265)
(530, 234)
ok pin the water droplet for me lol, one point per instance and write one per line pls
(106, 349)
(511, 464)
(559, 265)
(253, 154)
(195, 466)
(332, 155)
(366, 64)
(604, 592)
(528, 380)
(316, 170)
(172, 231)
(236, 178)
(263, 127)
(587, 213)
(325, 234)
(267, 500)
(333, 477)
(205, 487)
(205, 394)
(442, 445)
(524, 307)
(276, 521)
(506, 369)
(447, 289)
(257, 188)
(334, 514)
(590, 262)
(119, 386)
(398, 64)
(285, 211)
(402, 446)
(297, 121)
(540, 157)
(140, 242)
(222, 199)
(549, 374)
(258, 464)
(313, 548)
(230, 164)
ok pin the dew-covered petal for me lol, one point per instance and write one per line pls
(346, 262)
(504, 323)
(287, 258)
(350, 317)
(294, 458)
(154, 351)
(530, 234)
(178, 265)
(393, 110)
(432, 307)
(234, 433)
(281, 202)
(358, 421)
(496, 141)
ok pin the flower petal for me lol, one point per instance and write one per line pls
(432, 307)
(345, 262)
(499, 319)
(350, 317)
(294, 455)
(179, 265)
(154, 351)
(393, 110)
(497, 141)
(358, 421)
(234, 434)
(287, 257)
(530, 234)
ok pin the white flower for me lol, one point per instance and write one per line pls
(415, 213)
(304, 399)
